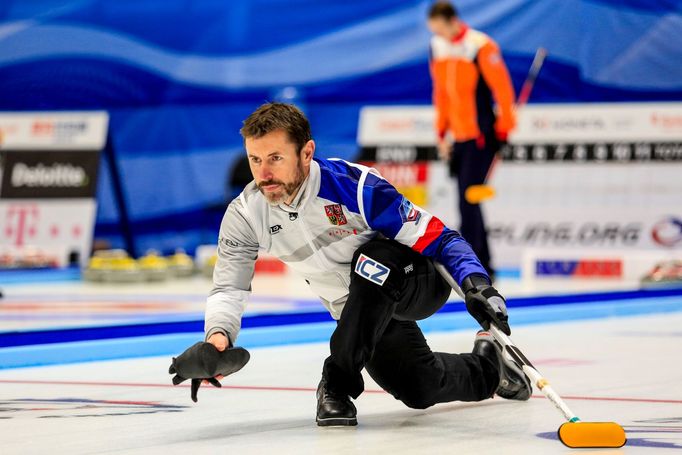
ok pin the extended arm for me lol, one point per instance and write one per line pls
(237, 253)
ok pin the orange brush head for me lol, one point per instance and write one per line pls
(592, 435)
(476, 194)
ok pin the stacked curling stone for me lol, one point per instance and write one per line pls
(113, 266)
(154, 266)
(181, 264)
(116, 266)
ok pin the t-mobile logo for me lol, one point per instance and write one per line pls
(22, 223)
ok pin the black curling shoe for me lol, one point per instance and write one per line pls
(514, 384)
(334, 409)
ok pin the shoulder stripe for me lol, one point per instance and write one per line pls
(339, 183)
(361, 202)
(433, 230)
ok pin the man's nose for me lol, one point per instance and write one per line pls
(264, 172)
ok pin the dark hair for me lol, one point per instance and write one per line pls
(278, 116)
(442, 9)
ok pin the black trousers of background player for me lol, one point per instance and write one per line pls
(469, 163)
(377, 330)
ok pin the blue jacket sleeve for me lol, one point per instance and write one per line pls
(389, 212)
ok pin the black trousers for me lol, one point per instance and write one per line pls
(470, 164)
(377, 330)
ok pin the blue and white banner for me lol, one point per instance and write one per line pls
(179, 77)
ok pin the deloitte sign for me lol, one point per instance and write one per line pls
(54, 176)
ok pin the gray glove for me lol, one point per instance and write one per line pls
(484, 303)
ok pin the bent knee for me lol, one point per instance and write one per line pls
(419, 396)
(418, 401)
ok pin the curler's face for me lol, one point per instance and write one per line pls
(277, 166)
(444, 28)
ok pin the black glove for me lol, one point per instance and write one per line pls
(203, 361)
(484, 303)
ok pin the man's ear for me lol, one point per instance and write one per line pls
(308, 151)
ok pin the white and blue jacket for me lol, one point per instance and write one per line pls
(339, 207)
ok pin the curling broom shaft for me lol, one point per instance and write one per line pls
(476, 194)
(526, 90)
(528, 84)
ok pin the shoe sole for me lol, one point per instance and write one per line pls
(518, 371)
(337, 422)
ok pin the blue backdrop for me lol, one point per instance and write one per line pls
(178, 76)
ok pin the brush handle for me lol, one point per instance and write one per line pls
(516, 355)
(533, 374)
(533, 72)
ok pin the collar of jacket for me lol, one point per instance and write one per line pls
(308, 190)
(463, 31)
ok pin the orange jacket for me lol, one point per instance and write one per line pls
(462, 98)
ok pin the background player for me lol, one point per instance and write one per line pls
(468, 74)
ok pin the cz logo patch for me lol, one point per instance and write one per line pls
(371, 270)
(335, 214)
(275, 229)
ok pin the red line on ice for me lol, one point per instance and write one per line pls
(296, 389)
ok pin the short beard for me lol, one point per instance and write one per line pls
(287, 189)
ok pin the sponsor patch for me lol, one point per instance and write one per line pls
(335, 214)
(371, 270)
(409, 213)
(230, 242)
(340, 233)
(275, 229)
(494, 59)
